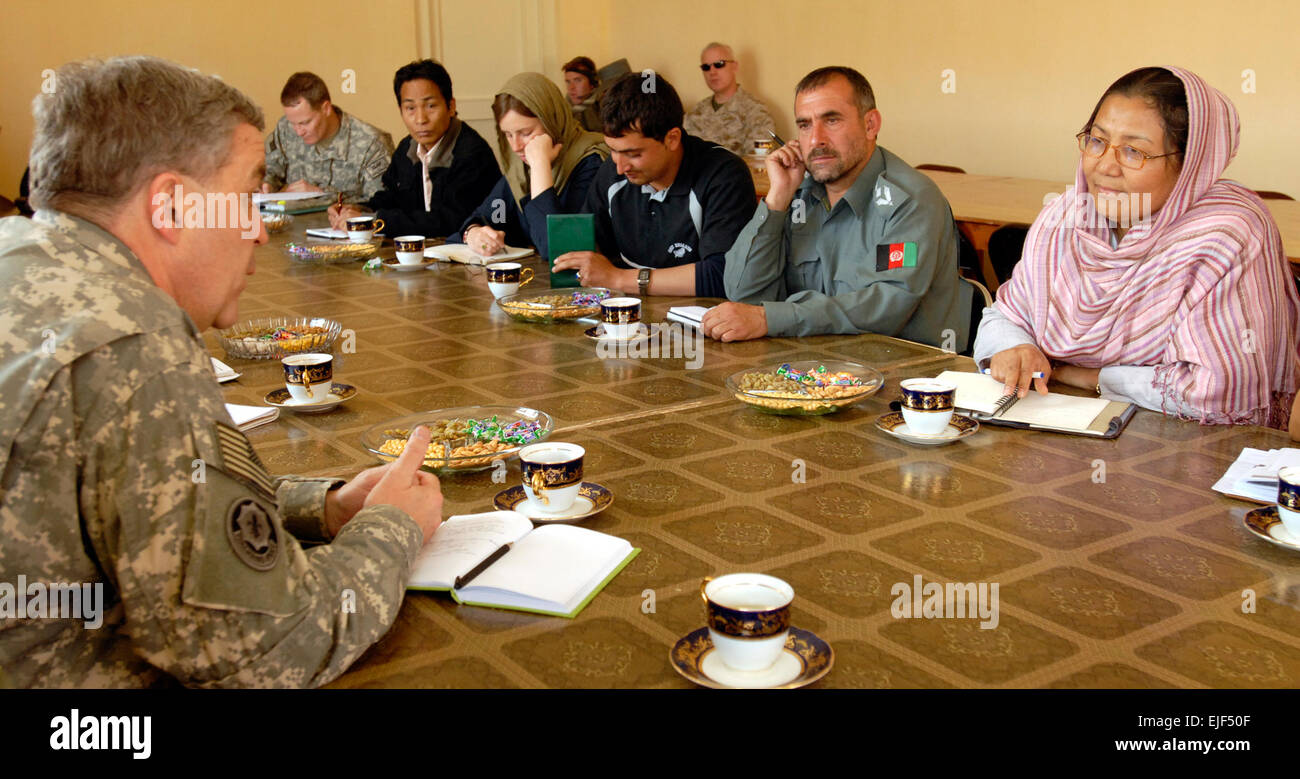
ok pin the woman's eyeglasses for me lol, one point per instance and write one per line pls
(1127, 156)
(720, 64)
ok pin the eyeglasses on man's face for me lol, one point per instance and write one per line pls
(1129, 157)
(720, 64)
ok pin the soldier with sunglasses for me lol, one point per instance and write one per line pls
(730, 117)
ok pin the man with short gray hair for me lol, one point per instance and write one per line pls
(730, 117)
(120, 469)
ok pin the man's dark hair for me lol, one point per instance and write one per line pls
(863, 97)
(583, 66)
(423, 69)
(1164, 92)
(641, 103)
(304, 86)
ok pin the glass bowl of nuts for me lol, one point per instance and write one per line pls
(806, 387)
(272, 338)
(464, 439)
(554, 305)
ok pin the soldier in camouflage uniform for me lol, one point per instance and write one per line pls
(730, 117)
(118, 462)
(315, 145)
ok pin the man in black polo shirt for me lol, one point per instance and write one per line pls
(440, 172)
(668, 205)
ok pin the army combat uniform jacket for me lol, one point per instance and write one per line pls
(352, 162)
(120, 467)
(735, 124)
(883, 260)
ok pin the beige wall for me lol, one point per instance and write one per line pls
(1027, 73)
(252, 45)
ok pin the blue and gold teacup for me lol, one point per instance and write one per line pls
(505, 278)
(1288, 499)
(748, 616)
(552, 474)
(308, 377)
(927, 405)
(362, 229)
(410, 249)
(620, 317)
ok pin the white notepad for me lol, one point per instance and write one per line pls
(979, 394)
(688, 315)
(498, 559)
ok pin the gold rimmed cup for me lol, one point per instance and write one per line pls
(927, 405)
(362, 229)
(410, 249)
(620, 317)
(1288, 499)
(505, 278)
(308, 377)
(748, 616)
(552, 473)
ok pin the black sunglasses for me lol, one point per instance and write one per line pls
(720, 64)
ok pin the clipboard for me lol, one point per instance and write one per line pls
(1109, 423)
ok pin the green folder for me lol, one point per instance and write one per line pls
(569, 233)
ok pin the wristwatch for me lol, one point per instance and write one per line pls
(643, 281)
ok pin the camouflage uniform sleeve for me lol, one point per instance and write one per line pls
(277, 164)
(374, 165)
(302, 504)
(216, 591)
(693, 122)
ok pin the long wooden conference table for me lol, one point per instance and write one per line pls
(1136, 579)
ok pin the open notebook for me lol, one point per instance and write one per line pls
(978, 395)
(497, 559)
(1253, 476)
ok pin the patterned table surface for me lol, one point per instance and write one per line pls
(1117, 566)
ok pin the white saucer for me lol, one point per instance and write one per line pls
(959, 427)
(805, 659)
(592, 499)
(392, 263)
(1265, 523)
(597, 333)
(339, 393)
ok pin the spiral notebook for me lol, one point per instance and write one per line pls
(980, 396)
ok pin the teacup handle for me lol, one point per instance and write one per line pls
(525, 276)
(379, 225)
(705, 583)
(538, 483)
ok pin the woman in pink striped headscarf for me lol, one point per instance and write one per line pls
(1152, 279)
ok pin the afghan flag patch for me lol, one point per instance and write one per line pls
(895, 255)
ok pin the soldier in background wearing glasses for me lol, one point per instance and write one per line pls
(730, 117)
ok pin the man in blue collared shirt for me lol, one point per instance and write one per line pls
(864, 244)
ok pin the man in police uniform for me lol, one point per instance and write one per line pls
(730, 116)
(864, 244)
(119, 465)
(316, 147)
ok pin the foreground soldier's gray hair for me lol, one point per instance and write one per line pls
(110, 126)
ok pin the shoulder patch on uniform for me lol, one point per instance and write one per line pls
(239, 460)
(251, 532)
(895, 255)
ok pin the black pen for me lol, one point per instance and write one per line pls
(777, 138)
